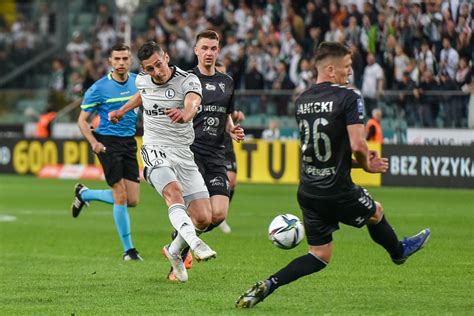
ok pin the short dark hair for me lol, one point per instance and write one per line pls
(118, 48)
(210, 34)
(148, 49)
(331, 49)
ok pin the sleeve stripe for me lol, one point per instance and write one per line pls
(86, 106)
(118, 99)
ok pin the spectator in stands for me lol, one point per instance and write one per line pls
(449, 58)
(305, 75)
(253, 80)
(296, 23)
(295, 59)
(372, 83)
(401, 62)
(335, 33)
(272, 132)
(373, 128)
(427, 56)
(180, 52)
(464, 45)
(103, 16)
(214, 16)
(44, 125)
(288, 43)
(78, 47)
(244, 19)
(463, 80)
(357, 65)
(352, 32)
(231, 47)
(427, 105)
(405, 102)
(312, 42)
(282, 82)
(57, 84)
(453, 107)
(431, 23)
(106, 36)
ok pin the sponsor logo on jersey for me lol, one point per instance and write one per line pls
(210, 87)
(169, 93)
(212, 121)
(214, 108)
(222, 86)
(210, 125)
(155, 111)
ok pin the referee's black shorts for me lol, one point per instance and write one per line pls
(323, 215)
(119, 161)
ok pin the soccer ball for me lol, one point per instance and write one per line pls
(286, 231)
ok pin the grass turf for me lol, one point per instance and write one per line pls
(51, 263)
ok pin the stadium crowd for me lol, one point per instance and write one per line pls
(409, 46)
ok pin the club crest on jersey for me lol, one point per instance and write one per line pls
(169, 93)
(210, 87)
(222, 86)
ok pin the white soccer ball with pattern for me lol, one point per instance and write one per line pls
(286, 231)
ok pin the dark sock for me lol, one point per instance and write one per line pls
(231, 194)
(296, 269)
(211, 227)
(383, 234)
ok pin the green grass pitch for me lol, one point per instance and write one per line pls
(52, 264)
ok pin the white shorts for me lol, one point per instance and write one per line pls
(170, 164)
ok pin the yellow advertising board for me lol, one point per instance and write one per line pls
(260, 161)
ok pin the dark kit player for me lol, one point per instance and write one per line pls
(330, 120)
(212, 121)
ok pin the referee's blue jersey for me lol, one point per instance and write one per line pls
(107, 95)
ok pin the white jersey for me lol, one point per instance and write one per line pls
(157, 126)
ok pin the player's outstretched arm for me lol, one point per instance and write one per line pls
(191, 105)
(236, 132)
(83, 124)
(134, 102)
(365, 158)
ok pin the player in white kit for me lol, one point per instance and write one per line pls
(170, 99)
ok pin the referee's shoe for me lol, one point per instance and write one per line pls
(78, 203)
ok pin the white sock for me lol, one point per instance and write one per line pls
(183, 224)
(177, 244)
